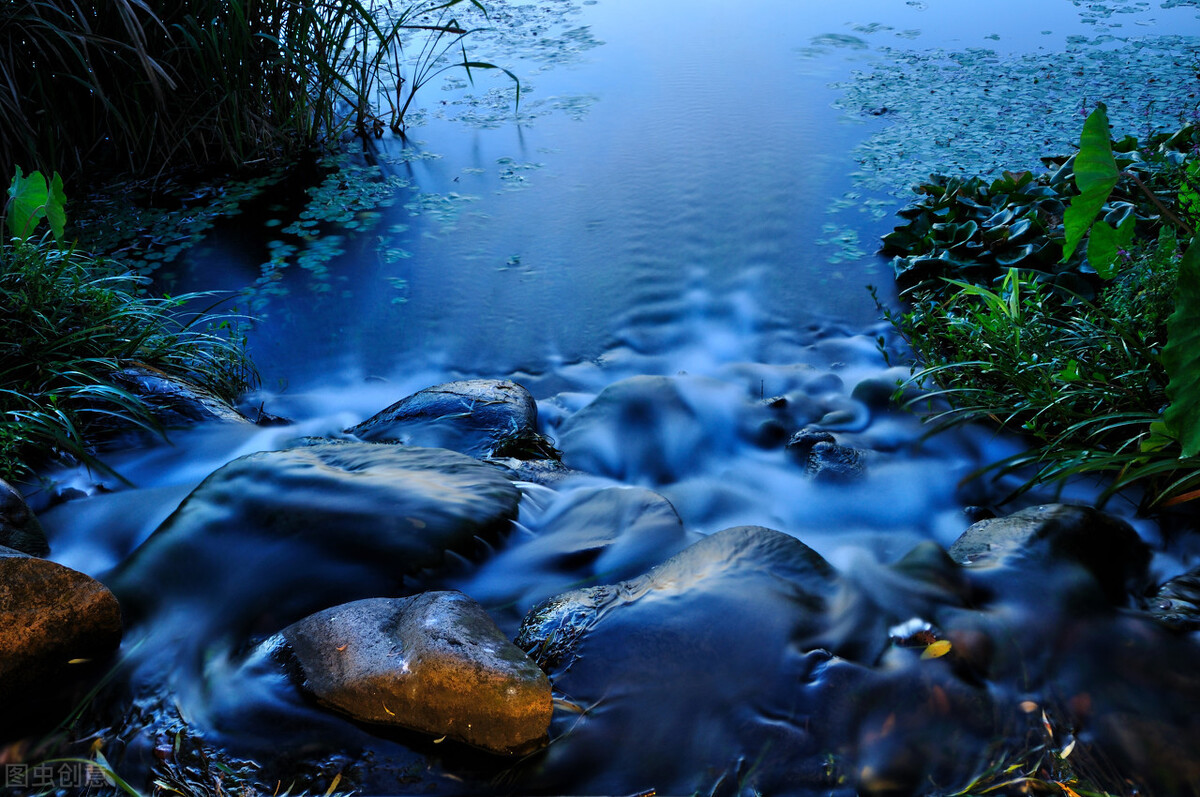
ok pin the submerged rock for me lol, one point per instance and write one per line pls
(276, 535)
(587, 536)
(434, 663)
(823, 458)
(53, 622)
(1104, 545)
(19, 527)
(1176, 604)
(659, 429)
(479, 417)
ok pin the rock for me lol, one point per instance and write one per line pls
(1106, 546)
(879, 392)
(173, 401)
(19, 527)
(1176, 604)
(586, 536)
(479, 417)
(546, 472)
(727, 619)
(277, 535)
(654, 430)
(54, 622)
(434, 663)
(823, 458)
(553, 629)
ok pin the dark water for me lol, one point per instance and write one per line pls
(657, 213)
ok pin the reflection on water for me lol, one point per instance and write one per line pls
(642, 252)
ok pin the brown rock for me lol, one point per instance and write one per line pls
(50, 617)
(433, 662)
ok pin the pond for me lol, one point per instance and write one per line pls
(673, 227)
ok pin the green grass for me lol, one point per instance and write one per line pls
(70, 321)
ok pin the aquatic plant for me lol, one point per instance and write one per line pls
(70, 321)
(1094, 356)
(206, 83)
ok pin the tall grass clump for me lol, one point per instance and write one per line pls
(68, 322)
(1066, 308)
(135, 86)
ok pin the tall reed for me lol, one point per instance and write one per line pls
(140, 85)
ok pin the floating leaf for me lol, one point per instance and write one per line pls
(936, 650)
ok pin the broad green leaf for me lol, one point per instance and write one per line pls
(56, 204)
(1181, 355)
(27, 203)
(1105, 244)
(1096, 175)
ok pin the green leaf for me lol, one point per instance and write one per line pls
(1181, 355)
(1189, 199)
(1105, 244)
(1096, 175)
(56, 204)
(27, 204)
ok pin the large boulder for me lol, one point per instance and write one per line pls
(54, 623)
(479, 417)
(1104, 545)
(276, 535)
(726, 619)
(433, 662)
(19, 527)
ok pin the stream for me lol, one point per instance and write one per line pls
(675, 226)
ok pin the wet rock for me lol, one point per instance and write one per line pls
(551, 630)
(724, 618)
(54, 621)
(173, 401)
(276, 535)
(657, 429)
(586, 536)
(878, 392)
(1176, 604)
(479, 417)
(823, 459)
(434, 663)
(1106, 546)
(19, 527)
(546, 472)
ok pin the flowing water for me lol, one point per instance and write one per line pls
(688, 191)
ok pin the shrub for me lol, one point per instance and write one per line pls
(1082, 337)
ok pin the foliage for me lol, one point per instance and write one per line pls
(1107, 384)
(1096, 175)
(1181, 356)
(69, 321)
(140, 85)
(974, 230)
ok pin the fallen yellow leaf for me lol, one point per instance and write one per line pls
(936, 650)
